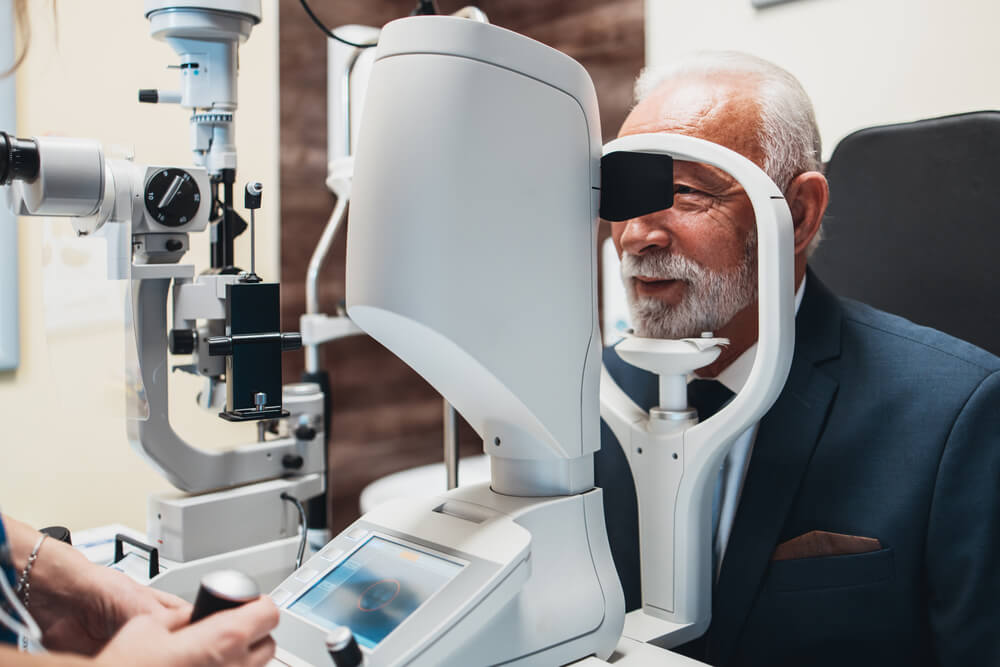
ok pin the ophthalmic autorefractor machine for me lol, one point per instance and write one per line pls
(472, 256)
(226, 319)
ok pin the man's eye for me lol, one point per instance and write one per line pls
(685, 190)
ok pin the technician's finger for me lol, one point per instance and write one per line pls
(170, 601)
(261, 652)
(173, 619)
(254, 621)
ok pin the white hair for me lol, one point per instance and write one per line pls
(789, 136)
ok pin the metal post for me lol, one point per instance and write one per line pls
(450, 444)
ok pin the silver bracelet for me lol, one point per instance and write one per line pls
(24, 583)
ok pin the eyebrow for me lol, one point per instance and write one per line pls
(711, 178)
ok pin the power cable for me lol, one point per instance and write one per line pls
(329, 33)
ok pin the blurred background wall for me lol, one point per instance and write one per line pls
(863, 62)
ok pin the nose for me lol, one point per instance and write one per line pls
(643, 234)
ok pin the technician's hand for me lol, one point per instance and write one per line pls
(78, 605)
(228, 638)
(94, 603)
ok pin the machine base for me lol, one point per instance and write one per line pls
(538, 588)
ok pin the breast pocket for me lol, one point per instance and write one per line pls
(834, 610)
(804, 574)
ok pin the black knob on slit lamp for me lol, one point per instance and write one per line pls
(251, 197)
(181, 341)
(343, 648)
(304, 432)
(221, 590)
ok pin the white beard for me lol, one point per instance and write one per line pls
(711, 300)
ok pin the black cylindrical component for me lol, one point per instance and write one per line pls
(343, 648)
(149, 95)
(251, 195)
(19, 159)
(221, 590)
(181, 341)
(304, 432)
(220, 346)
(291, 341)
(292, 461)
(222, 244)
(59, 533)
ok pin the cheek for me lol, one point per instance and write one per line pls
(710, 238)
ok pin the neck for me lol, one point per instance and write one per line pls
(742, 331)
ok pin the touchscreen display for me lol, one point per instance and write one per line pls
(375, 589)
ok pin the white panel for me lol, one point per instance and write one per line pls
(863, 63)
(9, 342)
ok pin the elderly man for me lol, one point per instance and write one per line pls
(859, 522)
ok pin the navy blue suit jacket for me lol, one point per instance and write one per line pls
(884, 429)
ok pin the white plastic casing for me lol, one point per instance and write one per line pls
(675, 470)
(70, 179)
(472, 238)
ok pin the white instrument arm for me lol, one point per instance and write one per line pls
(678, 469)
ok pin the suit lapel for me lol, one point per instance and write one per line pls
(783, 448)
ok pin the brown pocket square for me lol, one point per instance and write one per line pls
(822, 543)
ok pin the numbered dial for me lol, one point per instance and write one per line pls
(172, 197)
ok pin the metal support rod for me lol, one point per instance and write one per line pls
(450, 444)
(253, 246)
(312, 275)
(335, 222)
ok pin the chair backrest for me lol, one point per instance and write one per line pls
(913, 225)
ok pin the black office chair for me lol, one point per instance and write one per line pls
(913, 225)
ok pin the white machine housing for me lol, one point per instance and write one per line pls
(510, 337)
(472, 256)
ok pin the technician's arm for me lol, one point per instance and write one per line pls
(963, 541)
(78, 605)
(237, 638)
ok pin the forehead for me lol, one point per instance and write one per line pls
(721, 108)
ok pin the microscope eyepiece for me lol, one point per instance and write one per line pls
(18, 159)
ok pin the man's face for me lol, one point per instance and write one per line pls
(692, 267)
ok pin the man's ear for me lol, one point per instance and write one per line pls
(807, 197)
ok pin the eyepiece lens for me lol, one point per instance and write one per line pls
(19, 160)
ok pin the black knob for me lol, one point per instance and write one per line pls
(173, 245)
(60, 533)
(304, 432)
(149, 95)
(181, 341)
(343, 648)
(291, 341)
(251, 196)
(220, 346)
(221, 590)
(292, 461)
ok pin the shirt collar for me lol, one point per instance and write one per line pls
(735, 375)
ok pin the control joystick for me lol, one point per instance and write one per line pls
(221, 590)
(343, 648)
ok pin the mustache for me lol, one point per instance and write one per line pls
(660, 265)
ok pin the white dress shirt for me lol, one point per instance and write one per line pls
(734, 470)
